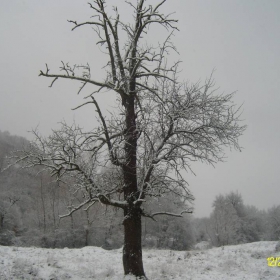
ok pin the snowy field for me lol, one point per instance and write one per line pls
(247, 261)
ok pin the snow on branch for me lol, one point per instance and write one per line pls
(180, 215)
(70, 74)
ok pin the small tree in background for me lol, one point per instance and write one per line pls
(161, 125)
(232, 222)
(225, 223)
(253, 225)
(273, 223)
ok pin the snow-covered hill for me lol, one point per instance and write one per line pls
(247, 261)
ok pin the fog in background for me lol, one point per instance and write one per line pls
(239, 39)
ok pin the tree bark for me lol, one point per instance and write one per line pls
(132, 250)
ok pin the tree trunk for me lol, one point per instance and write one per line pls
(43, 204)
(1, 221)
(87, 235)
(132, 250)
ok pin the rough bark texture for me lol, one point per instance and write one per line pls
(132, 250)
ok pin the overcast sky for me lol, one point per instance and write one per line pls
(238, 38)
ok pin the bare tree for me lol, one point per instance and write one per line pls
(225, 222)
(160, 128)
(5, 208)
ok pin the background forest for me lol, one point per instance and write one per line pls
(31, 202)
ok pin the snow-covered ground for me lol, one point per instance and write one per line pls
(247, 261)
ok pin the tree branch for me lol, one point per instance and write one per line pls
(113, 157)
(85, 23)
(56, 76)
(180, 215)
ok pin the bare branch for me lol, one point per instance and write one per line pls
(113, 158)
(105, 200)
(74, 78)
(74, 209)
(187, 211)
(85, 23)
(53, 81)
(89, 102)
(180, 215)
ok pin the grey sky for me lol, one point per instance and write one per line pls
(239, 38)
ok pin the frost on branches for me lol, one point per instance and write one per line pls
(161, 125)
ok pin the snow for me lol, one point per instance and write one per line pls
(246, 261)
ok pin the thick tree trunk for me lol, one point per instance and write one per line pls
(132, 250)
